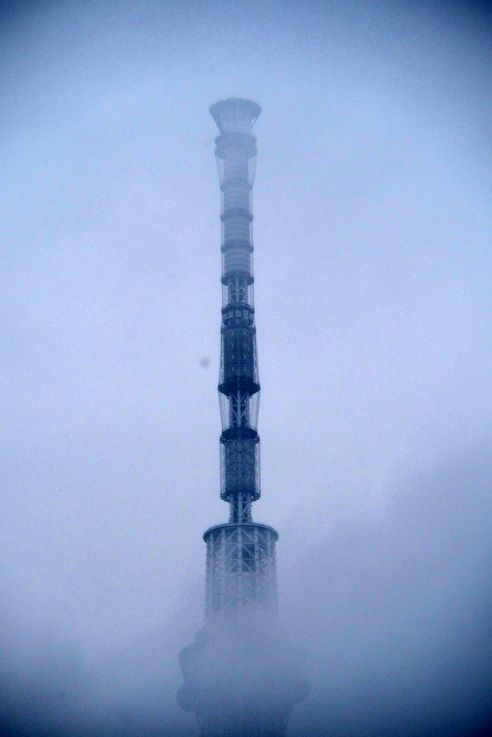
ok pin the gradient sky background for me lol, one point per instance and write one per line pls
(372, 231)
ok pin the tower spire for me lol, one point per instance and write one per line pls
(235, 151)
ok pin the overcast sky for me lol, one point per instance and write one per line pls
(373, 264)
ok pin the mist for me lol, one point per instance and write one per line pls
(373, 309)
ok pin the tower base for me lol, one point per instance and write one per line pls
(240, 682)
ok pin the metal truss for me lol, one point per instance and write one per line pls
(241, 571)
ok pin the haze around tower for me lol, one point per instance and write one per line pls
(372, 226)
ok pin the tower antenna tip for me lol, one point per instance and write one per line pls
(235, 114)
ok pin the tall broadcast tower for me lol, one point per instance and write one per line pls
(241, 677)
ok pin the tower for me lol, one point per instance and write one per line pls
(240, 676)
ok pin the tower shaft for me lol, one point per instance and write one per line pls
(240, 677)
(241, 553)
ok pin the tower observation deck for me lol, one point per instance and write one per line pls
(238, 676)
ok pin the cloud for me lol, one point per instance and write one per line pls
(398, 639)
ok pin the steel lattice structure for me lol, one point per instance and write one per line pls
(237, 677)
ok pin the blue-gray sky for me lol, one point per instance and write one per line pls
(373, 262)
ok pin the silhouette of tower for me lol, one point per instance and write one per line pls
(240, 676)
